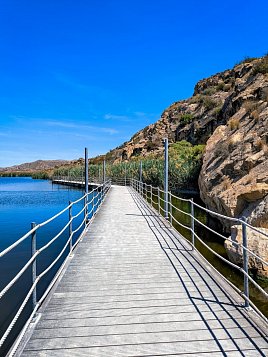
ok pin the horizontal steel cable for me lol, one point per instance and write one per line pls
(186, 227)
(18, 275)
(55, 237)
(233, 265)
(216, 214)
(54, 217)
(215, 232)
(15, 318)
(178, 209)
(232, 241)
(254, 228)
(218, 255)
(56, 259)
(180, 198)
(77, 229)
(12, 246)
(78, 214)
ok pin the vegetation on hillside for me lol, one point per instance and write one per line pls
(35, 175)
(185, 162)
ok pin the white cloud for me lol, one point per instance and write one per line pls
(116, 117)
(79, 126)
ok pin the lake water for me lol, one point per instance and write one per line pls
(22, 201)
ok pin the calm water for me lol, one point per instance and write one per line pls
(22, 201)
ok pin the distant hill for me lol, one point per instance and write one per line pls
(39, 165)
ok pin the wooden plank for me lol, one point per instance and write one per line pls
(135, 288)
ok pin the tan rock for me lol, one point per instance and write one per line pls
(256, 242)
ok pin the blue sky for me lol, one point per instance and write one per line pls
(90, 73)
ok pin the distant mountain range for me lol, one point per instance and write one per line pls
(38, 165)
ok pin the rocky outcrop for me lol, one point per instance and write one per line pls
(234, 175)
(257, 243)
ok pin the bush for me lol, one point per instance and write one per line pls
(261, 66)
(220, 86)
(233, 124)
(185, 162)
(217, 110)
(208, 102)
(247, 59)
(209, 91)
(186, 118)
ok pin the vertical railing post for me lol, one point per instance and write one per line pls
(159, 201)
(140, 177)
(125, 174)
(166, 178)
(192, 221)
(99, 168)
(33, 249)
(70, 225)
(151, 195)
(245, 261)
(86, 187)
(170, 209)
(104, 172)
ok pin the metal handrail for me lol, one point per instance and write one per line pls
(99, 195)
(143, 189)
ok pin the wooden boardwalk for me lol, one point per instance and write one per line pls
(135, 288)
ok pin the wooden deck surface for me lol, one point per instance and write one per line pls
(135, 288)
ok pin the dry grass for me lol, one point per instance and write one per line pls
(226, 183)
(235, 140)
(250, 106)
(233, 124)
(259, 143)
(255, 115)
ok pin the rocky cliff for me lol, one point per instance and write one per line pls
(229, 113)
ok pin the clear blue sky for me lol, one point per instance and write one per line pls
(93, 72)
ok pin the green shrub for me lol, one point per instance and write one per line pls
(261, 66)
(209, 91)
(186, 118)
(217, 110)
(247, 59)
(220, 86)
(185, 162)
(208, 103)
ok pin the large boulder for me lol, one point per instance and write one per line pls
(257, 243)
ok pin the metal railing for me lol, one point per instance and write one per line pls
(91, 204)
(156, 196)
(120, 181)
(78, 179)
(125, 181)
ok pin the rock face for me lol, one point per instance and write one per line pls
(256, 243)
(234, 175)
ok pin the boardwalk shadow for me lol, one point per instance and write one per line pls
(203, 287)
